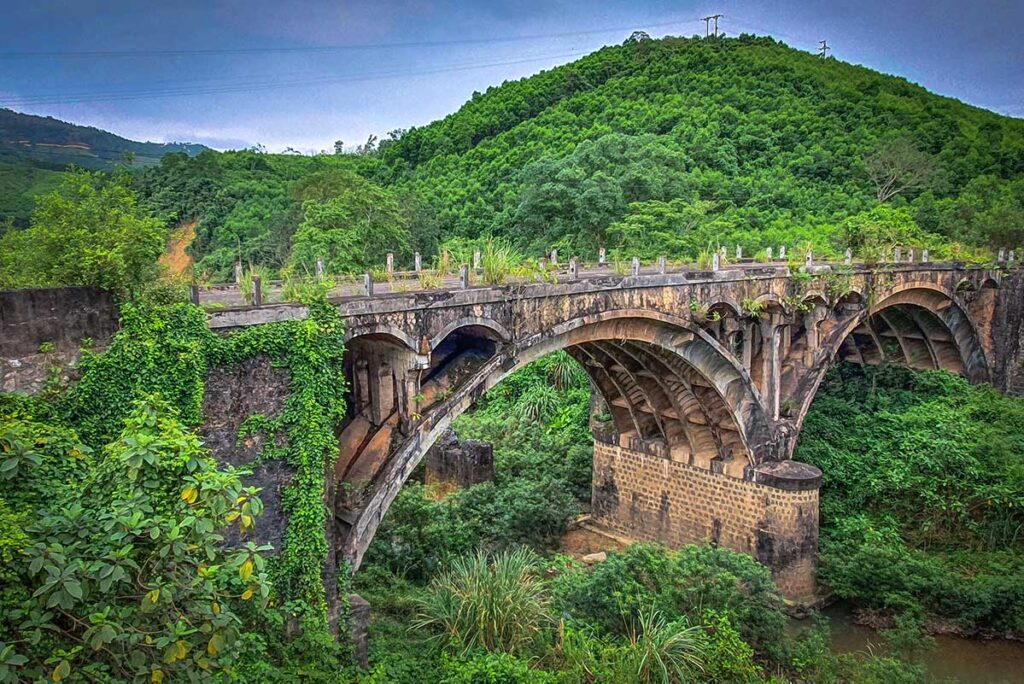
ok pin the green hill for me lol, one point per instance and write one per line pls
(662, 145)
(35, 149)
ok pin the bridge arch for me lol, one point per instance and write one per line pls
(488, 326)
(922, 325)
(384, 333)
(670, 386)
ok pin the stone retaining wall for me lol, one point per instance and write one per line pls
(61, 319)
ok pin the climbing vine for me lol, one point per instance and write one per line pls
(169, 350)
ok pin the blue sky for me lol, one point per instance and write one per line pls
(231, 73)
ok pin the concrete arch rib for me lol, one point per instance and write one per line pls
(688, 344)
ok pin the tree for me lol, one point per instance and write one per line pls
(89, 231)
(348, 221)
(897, 166)
(339, 147)
(872, 235)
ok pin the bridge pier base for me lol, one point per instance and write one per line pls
(771, 512)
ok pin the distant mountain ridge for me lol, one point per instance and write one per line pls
(35, 150)
(50, 143)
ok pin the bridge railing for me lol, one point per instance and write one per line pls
(545, 269)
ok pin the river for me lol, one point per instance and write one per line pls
(971, 661)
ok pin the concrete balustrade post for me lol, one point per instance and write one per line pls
(739, 252)
(1002, 255)
(1012, 256)
(768, 253)
(367, 284)
(636, 266)
(554, 257)
(477, 260)
(662, 265)
(390, 263)
(194, 293)
(910, 255)
(925, 256)
(417, 262)
(257, 291)
(716, 261)
(238, 273)
(809, 259)
(782, 253)
(897, 255)
(848, 257)
(574, 268)
(464, 276)
(602, 257)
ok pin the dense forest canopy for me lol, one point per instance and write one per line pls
(662, 146)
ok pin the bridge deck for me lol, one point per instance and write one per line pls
(227, 308)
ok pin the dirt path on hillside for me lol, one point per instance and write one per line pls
(176, 259)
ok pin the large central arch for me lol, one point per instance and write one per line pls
(669, 385)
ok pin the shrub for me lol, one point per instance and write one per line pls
(132, 568)
(726, 657)
(493, 668)
(494, 603)
(658, 650)
(676, 583)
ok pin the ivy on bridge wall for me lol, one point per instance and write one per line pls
(169, 350)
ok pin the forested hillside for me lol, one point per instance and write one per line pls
(655, 146)
(35, 149)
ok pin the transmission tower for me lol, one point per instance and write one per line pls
(707, 24)
(823, 48)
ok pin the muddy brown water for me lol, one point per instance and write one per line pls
(971, 661)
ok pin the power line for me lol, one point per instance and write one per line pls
(50, 54)
(247, 86)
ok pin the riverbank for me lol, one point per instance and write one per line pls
(966, 660)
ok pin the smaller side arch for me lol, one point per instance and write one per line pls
(501, 332)
(389, 333)
(939, 303)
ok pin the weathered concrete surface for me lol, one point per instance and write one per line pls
(359, 629)
(232, 395)
(65, 319)
(61, 316)
(1007, 331)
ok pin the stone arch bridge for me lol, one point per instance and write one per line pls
(707, 378)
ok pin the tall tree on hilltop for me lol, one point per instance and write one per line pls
(898, 166)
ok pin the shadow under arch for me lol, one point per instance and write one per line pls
(921, 325)
(724, 395)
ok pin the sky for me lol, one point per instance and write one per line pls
(305, 73)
